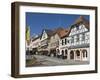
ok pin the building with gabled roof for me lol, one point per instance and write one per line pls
(71, 44)
(35, 44)
(75, 44)
(44, 41)
(53, 46)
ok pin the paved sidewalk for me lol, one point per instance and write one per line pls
(53, 61)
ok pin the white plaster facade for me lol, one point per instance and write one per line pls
(44, 42)
(35, 43)
(54, 44)
(44, 39)
(76, 43)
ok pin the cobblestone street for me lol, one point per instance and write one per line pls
(53, 61)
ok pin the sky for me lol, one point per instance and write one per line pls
(39, 21)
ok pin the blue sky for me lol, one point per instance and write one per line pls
(39, 21)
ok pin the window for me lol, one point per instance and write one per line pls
(77, 38)
(77, 27)
(72, 40)
(83, 37)
(65, 41)
(62, 42)
(87, 36)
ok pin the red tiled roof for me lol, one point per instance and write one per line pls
(80, 20)
(60, 31)
(48, 31)
(65, 32)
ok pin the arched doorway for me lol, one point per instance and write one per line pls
(77, 55)
(84, 52)
(71, 54)
(62, 54)
(53, 52)
(66, 53)
(58, 53)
